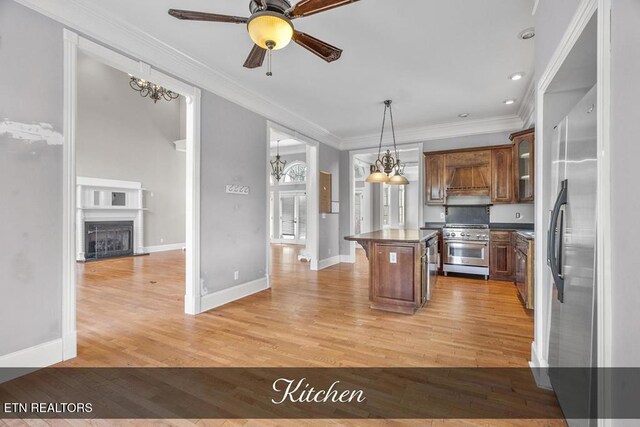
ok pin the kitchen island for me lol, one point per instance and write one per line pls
(403, 265)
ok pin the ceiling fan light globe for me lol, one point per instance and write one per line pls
(266, 28)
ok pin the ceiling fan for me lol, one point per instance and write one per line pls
(270, 27)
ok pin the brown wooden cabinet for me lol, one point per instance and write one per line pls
(435, 191)
(502, 175)
(524, 165)
(523, 276)
(500, 255)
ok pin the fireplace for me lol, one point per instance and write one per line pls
(108, 239)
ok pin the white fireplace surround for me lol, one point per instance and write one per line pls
(95, 203)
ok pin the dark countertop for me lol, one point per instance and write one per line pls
(395, 235)
(515, 226)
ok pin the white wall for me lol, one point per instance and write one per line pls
(625, 198)
(30, 179)
(121, 135)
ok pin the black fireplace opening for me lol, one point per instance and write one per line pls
(108, 239)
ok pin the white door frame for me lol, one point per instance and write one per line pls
(540, 346)
(73, 44)
(312, 246)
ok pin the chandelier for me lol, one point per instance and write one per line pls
(151, 90)
(386, 164)
(277, 165)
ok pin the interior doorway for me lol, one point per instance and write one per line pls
(123, 191)
(293, 219)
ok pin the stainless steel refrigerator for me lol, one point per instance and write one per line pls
(571, 258)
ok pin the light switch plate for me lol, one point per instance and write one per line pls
(393, 257)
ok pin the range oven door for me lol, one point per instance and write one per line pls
(466, 253)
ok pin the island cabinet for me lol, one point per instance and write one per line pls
(399, 268)
(500, 255)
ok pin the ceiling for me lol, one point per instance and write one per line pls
(435, 59)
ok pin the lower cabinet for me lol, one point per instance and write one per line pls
(523, 279)
(398, 280)
(500, 256)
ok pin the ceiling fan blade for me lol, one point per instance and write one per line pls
(191, 15)
(323, 50)
(310, 7)
(256, 57)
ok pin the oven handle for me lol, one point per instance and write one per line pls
(466, 242)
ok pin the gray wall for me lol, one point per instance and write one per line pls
(552, 19)
(233, 228)
(120, 135)
(345, 203)
(625, 198)
(30, 180)
(329, 161)
(499, 213)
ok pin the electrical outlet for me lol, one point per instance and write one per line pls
(236, 274)
(441, 215)
(393, 257)
(329, 251)
(161, 240)
(518, 215)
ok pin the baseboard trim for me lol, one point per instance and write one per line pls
(347, 259)
(235, 293)
(328, 262)
(38, 356)
(70, 345)
(164, 248)
(539, 367)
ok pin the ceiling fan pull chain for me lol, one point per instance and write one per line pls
(269, 73)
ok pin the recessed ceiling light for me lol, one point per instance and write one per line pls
(509, 101)
(527, 34)
(516, 76)
(463, 115)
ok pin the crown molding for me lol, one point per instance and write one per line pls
(118, 34)
(439, 131)
(527, 106)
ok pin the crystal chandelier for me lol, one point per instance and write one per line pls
(386, 164)
(151, 90)
(277, 165)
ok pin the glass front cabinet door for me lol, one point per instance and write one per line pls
(523, 150)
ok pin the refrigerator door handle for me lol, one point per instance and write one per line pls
(554, 259)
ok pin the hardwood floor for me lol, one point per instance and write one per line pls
(130, 313)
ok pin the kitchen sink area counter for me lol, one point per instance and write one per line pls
(403, 266)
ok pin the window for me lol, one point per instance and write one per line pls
(295, 173)
(401, 205)
(386, 204)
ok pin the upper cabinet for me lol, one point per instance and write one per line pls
(524, 165)
(435, 191)
(502, 175)
(502, 172)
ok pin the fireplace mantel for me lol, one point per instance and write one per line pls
(109, 200)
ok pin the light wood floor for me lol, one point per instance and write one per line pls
(130, 313)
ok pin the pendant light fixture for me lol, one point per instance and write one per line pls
(277, 165)
(386, 164)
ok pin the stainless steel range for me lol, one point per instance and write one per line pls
(466, 249)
